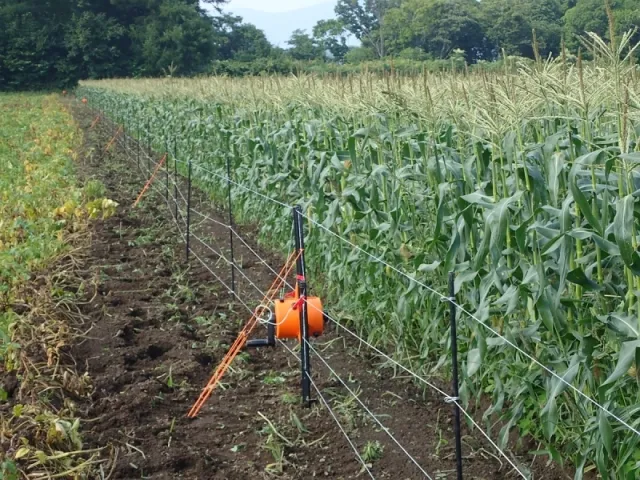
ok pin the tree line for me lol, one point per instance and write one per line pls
(479, 30)
(53, 43)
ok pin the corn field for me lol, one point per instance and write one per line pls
(524, 183)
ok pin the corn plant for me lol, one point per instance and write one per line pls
(524, 184)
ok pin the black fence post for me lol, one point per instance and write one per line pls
(166, 171)
(304, 314)
(150, 152)
(188, 209)
(454, 370)
(124, 132)
(148, 138)
(233, 261)
(138, 142)
(175, 176)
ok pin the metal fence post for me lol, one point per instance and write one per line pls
(188, 248)
(233, 262)
(454, 368)
(304, 314)
(138, 143)
(175, 175)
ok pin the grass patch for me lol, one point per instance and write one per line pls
(43, 213)
(39, 200)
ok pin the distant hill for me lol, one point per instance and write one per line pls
(278, 26)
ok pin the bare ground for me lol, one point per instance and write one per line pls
(160, 325)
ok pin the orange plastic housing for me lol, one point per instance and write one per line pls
(288, 318)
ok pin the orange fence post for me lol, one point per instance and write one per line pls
(243, 336)
(153, 176)
(112, 140)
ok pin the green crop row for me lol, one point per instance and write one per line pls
(524, 184)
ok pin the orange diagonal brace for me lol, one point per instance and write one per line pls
(241, 341)
(150, 181)
(113, 139)
(95, 122)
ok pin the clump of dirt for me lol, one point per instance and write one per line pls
(161, 324)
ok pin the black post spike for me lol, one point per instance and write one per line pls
(454, 369)
(304, 314)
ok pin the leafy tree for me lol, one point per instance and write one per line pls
(331, 35)
(360, 55)
(303, 46)
(591, 16)
(177, 37)
(364, 19)
(239, 41)
(509, 25)
(93, 42)
(436, 27)
(53, 43)
(412, 53)
(32, 47)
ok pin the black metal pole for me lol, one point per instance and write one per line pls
(124, 132)
(454, 369)
(166, 171)
(233, 262)
(188, 209)
(175, 176)
(138, 143)
(149, 144)
(148, 138)
(166, 182)
(304, 314)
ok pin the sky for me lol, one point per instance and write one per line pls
(279, 18)
(272, 5)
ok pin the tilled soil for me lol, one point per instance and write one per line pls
(161, 325)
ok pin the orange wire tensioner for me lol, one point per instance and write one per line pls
(294, 316)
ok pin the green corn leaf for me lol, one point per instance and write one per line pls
(555, 168)
(578, 277)
(559, 386)
(442, 188)
(498, 219)
(483, 249)
(477, 198)
(607, 246)
(606, 432)
(550, 414)
(633, 157)
(473, 361)
(578, 195)
(623, 231)
(462, 279)
(601, 463)
(622, 325)
(625, 359)
(521, 233)
(545, 310)
(429, 268)
(450, 258)
(552, 245)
